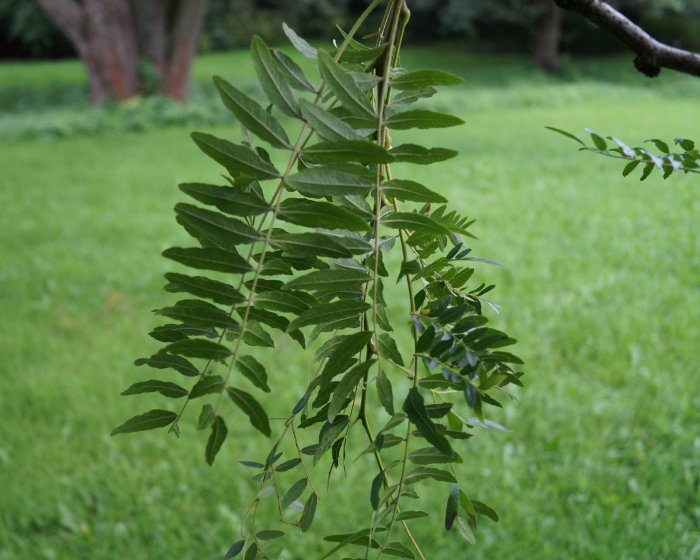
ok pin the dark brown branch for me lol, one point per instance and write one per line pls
(652, 55)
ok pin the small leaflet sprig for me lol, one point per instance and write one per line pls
(668, 162)
(301, 251)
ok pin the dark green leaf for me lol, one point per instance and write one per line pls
(272, 79)
(422, 473)
(430, 455)
(252, 408)
(252, 115)
(411, 191)
(330, 180)
(411, 153)
(216, 439)
(408, 514)
(307, 516)
(567, 134)
(325, 124)
(336, 280)
(296, 490)
(227, 199)
(339, 358)
(253, 371)
(299, 44)
(294, 75)
(308, 245)
(198, 348)
(237, 159)
(598, 140)
(414, 222)
(206, 417)
(631, 166)
(412, 95)
(420, 118)
(343, 86)
(173, 332)
(214, 290)
(314, 214)
(388, 349)
(386, 395)
(345, 386)
(206, 385)
(215, 228)
(424, 78)
(414, 408)
(235, 549)
(165, 388)
(288, 465)
(208, 258)
(482, 509)
(148, 421)
(255, 335)
(648, 168)
(339, 151)
(161, 360)
(197, 312)
(329, 313)
(252, 552)
(398, 549)
(287, 302)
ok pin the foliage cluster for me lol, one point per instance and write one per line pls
(310, 249)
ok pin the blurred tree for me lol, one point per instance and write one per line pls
(131, 46)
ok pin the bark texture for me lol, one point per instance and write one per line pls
(652, 55)
(132, 46)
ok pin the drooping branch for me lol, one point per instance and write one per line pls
(652, 55)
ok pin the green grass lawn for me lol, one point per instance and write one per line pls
(601, 287)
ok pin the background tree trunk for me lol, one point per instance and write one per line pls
(113, 38)
(545, 50)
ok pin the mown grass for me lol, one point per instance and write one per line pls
(601, 288)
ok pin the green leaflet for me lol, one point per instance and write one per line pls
(329, 313)
(254, 371)
(197, 312)
(172, 332)
(329, 180)
(308, 245)
(161, 360)
(423, 79)
(343, 87)
(252, 115)
(268, 535)
(272, 78)
(219, 292)
(294, 75)
(216, 439)
(339, 358)
(315, 214)
(214, 228)
(235, 549)
(325, 124)
(414, 222)
(430, 455)
(452, 508)
(251, 408)
(385, 392)
(339, 151)
(198, 348)
(148, 421)
(296, 490)
(208, 258)
(420, 118)
(412, 95)
(421, 473)
(402, 189)
(398, 549)
(206, 385)
(299, 44)
(411, 153)
(227, 199)
(286, 302)
(345, 386)
(414, 408)
(388, 349)
(307, 516)
(255, 335)
(165, 388)
(339, 279)
(239, 160)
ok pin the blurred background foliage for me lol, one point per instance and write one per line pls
(503, 26)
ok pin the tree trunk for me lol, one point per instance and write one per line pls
(113, 37)
(187, 18)
(545, 49)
